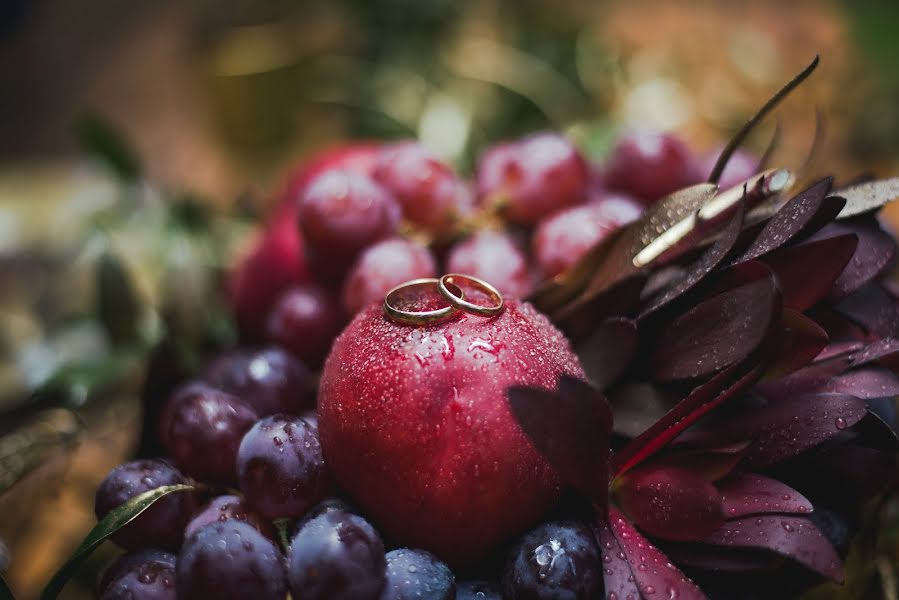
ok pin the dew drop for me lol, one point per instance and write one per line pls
(840, 422)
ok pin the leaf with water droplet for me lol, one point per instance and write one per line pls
(873, 254)
(802, 286)
(658, 572)
(749, 494)
(670, 503)
(617, 574)
(866, 383)
(790, 536)
(872, 308)
(710, 464)
(112, 522)
(868, 196)
(797, 342)
(570, 426)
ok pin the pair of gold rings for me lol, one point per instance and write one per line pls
(451, 291)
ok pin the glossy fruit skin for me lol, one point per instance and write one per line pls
(649, 166)
(495, 257)
(340, 213)
(147, 580)
(269, 379)
(132, 560)
(429, 192)
(229, 508)
(336, 555)
(230, 560)
(280, 467)
(201, 428)
(566, 236)
(417, 575)
(162, 524)
(415, 425)
(556, 561)
(477, 590)
(305, 320)
(383, 266)
(534, 176)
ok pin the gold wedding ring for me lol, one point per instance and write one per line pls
(425, 317)
(458, 300)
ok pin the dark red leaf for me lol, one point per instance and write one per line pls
(609, 351)
(750, 494)
(620, 583)
(716, 558)
(797, 344)
(839, 349)
(709, 464)
(653, 572)
(699, 402)
(885, 352)
(791, 219)
(696, 272)
(801, 285)
(793, 537)
(874, 309)
(571, 428)
(717, 332)
(873, 254)
(669, 502)
(806, 380)
(866, 383)
(636, 406)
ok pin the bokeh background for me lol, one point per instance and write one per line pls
(139, 140)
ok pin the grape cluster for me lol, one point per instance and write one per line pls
(267, 519)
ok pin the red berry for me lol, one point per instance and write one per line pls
(357, 158)
(429, 192)
(415, 425)
(340, 213)
(494, 257)
(562, 239)
(382, 267)
(305, 320)
(534, 176)
(650, 166)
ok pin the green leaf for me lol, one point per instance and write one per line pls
(5, 592)
(103, 141)
(112, 522)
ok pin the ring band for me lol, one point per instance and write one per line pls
(425, 317)
(458, 300)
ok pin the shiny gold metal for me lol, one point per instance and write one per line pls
(418, 318)
(458, 301)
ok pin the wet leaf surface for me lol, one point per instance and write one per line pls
(866, 383)
(875, 251)
(618, 577)
(874, 309)
(802, 286)
(750, 494)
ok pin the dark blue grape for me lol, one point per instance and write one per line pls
(148, 579)
(201, 428)
(417, 575)
(336, 555)
(230, 560)
(226, 508)
(280, 467)
(270, 380)
(325, 506)
(477, 590)
(555, 561)
(161, 525)
(131, 560)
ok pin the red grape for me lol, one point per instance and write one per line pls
(650, 166)
(494, 257)
(305, 321)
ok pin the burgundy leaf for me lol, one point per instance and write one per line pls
(786, 427)
(609, 351)
(586, 312)
(790, 536)
(696, 272)
(874, 309)
(791, 219)
(669, 502)
(749, 494)
(885, 352)
(799, 341)
(620, 583)
(801, 285)
(571, 428)
(699, 402)
(866, 383)
(839, 349)
(715, 558)
(709, 464)
(653, 572)
(717, 332)
(809, 379)
(873, 254)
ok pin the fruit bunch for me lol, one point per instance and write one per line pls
(676, 375)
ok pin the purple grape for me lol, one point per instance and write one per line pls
(227, 508)
(325, 506)
(305, 320)
(147, 579)
(161, 525)
(230, 560)
(280, 467)
(417, 575)
(477, 590)
(494, 257)
(201, 428)
(555, 561)
(270, 380)
(651, 165)
(336, 555)
(132, 560)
